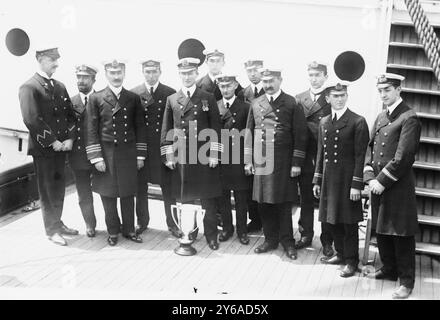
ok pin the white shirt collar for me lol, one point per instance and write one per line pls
(190, 89)
(212, 77)
(392, 107)
(259, 86)
(275, 96)
(154, 87)
(230, 101)
(44, 75)
(82, 96)
(339, 113)
(116, 91)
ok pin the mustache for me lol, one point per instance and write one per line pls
(268, 88)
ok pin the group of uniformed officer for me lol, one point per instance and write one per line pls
(118, 140)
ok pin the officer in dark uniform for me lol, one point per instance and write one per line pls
(248, 94)
(315, 107)
(233, 112)
(153, 95)
(81, 167)
(275, 157)
(215, 60)
(47, 113)
(394, 143)
(342, 143)
(116, 147)
(188, 113)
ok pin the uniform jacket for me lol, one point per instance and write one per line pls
(392, 148)
(47, 113)
(234, 127)
(78, 157)
(248, 95)
(278, 132)
(190, 116)
(339, 165)
(314, 111)
(205, 83)
(154, 107)
(115, 132)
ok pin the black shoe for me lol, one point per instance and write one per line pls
(58, 239)
(140, 229)
(348, 271)
(304, 242)
(134, 238)
(224, 235)
(253, 227)
(213, 244)
(265, 247)
(291, 252)
(243, 238)
(112, 241)
(332, 260)
(91, 233)
(327, 250)
(402, 293)
(67, 231)
(381, 275)
(175, 232)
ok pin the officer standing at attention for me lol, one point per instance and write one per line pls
(47, 113)
(393, 145)
(116, 147)
(315, 106)
(248, 94)
(189, 112)
(279, 132)
(81, 167)
(153, 95)
(338, 182)
(215, 60)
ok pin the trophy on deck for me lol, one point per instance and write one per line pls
(185, 218)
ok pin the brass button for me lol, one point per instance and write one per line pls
(383, 144)
(335, 161)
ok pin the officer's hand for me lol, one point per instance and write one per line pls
(355, 194)
(57, 146)
(317, 191)
(67, 145)
(295, 171)
(213, 162)
(376, 187)
(100, 166)
(249, 169)
(171, 165)
(140, 164)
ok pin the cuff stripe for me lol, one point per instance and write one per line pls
(388, 174)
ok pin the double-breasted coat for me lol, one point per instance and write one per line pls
(392, 148)
(77, 156)
(275, 141)
(116, 133)
(47, 113)
(234, 120)
(248, 95)
(184, 120)
(206, 84)
(339, 164)
(154, 106)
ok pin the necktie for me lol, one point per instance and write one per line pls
(188, 94)
(334, 118)
(227, 105)
(85, 100)
(388, 112)
(255, 92)
(271, 100)
(151, 90)
(315, 97)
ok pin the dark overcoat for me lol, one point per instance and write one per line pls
(248, 95)
(339, 165)
(206, 84)
(116, 133)
(275, 141)
(392, 148)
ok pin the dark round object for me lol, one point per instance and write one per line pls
(17, 42)
(191, 48)
(349, 66)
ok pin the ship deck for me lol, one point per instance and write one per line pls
(34, 268)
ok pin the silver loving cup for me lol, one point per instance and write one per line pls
(185, 218)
